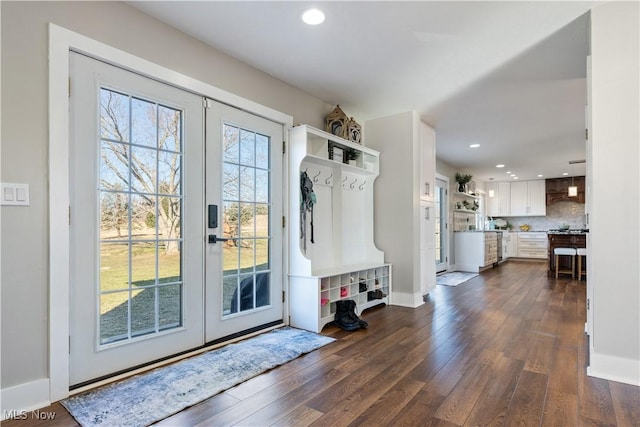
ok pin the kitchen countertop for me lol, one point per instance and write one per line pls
(530, 231)
(571, 232)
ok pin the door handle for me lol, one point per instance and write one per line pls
(215, 239)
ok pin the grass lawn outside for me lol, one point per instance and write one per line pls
(115, 290)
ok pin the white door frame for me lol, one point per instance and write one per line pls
(61, 41)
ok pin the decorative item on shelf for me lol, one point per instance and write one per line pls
(354, 130)
(352, 155)
(458, 205)
(475, 206)
(337, 123)
(336, 153)
(466, 204)
(462, 180)
(525, 227)
(471, 187)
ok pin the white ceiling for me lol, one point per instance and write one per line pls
(507, 75)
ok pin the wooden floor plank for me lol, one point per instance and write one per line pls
(527, 404)
(561, 409)
(504, 348)
(491, 408)
(626, 403)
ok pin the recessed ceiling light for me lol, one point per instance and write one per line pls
(515, 177)
(499, 166)
(540, 176)
(313, 16)
(474, 146)
(508, 172)
(565, 173)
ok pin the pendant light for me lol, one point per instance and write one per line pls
(573, 189)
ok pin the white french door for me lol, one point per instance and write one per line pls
(145, 284)
(244, 259)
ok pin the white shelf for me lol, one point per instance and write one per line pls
(467, 195)
(469, 211)
(325, 161)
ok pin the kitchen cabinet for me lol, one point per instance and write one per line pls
(498, 199)
(427, 163)
(564, 240)
(404, 194)
(475, 250)
(512, 244)
(427, 246)
(557, 190)
(532, 245)
(528, 198)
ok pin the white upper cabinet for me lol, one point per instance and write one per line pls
(498, 198)
(427, 163)
(528, 198)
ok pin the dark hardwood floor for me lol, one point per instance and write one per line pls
(505, 348)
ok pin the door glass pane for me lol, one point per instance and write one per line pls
(143, 312)
(170, 306)
(143, 123)
(114, 260)
(140, 217)
(169, 129)
(247, 204)
(114, 315)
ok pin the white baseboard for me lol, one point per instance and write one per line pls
(407, 300)
(24, 397)
(614, 368)
(467, 268)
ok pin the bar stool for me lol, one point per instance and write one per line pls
(581, 252)
(558, 252)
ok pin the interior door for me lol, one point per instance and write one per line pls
(442, 235)
(244, 255)
(136, 220)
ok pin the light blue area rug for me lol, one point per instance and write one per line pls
(454, 278)
(154, 395)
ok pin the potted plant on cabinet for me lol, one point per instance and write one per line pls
(351, 156)
(462, 180)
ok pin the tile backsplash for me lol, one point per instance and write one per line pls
(558, 213)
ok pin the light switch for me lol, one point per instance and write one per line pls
(8, 194)
(15, 194)
(20, 194)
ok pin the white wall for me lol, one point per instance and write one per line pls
(24, 230)
(395, 201)
(614, 226)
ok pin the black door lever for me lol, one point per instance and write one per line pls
(215, 239)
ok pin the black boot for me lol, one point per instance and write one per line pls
(352, 313)
(343, 317)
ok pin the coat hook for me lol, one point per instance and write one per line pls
(315, 178)
(345, 179)
(353, 184)
(326, 181)
(362, 185)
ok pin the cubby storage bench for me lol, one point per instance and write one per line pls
(343, 253)
(313, 298)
